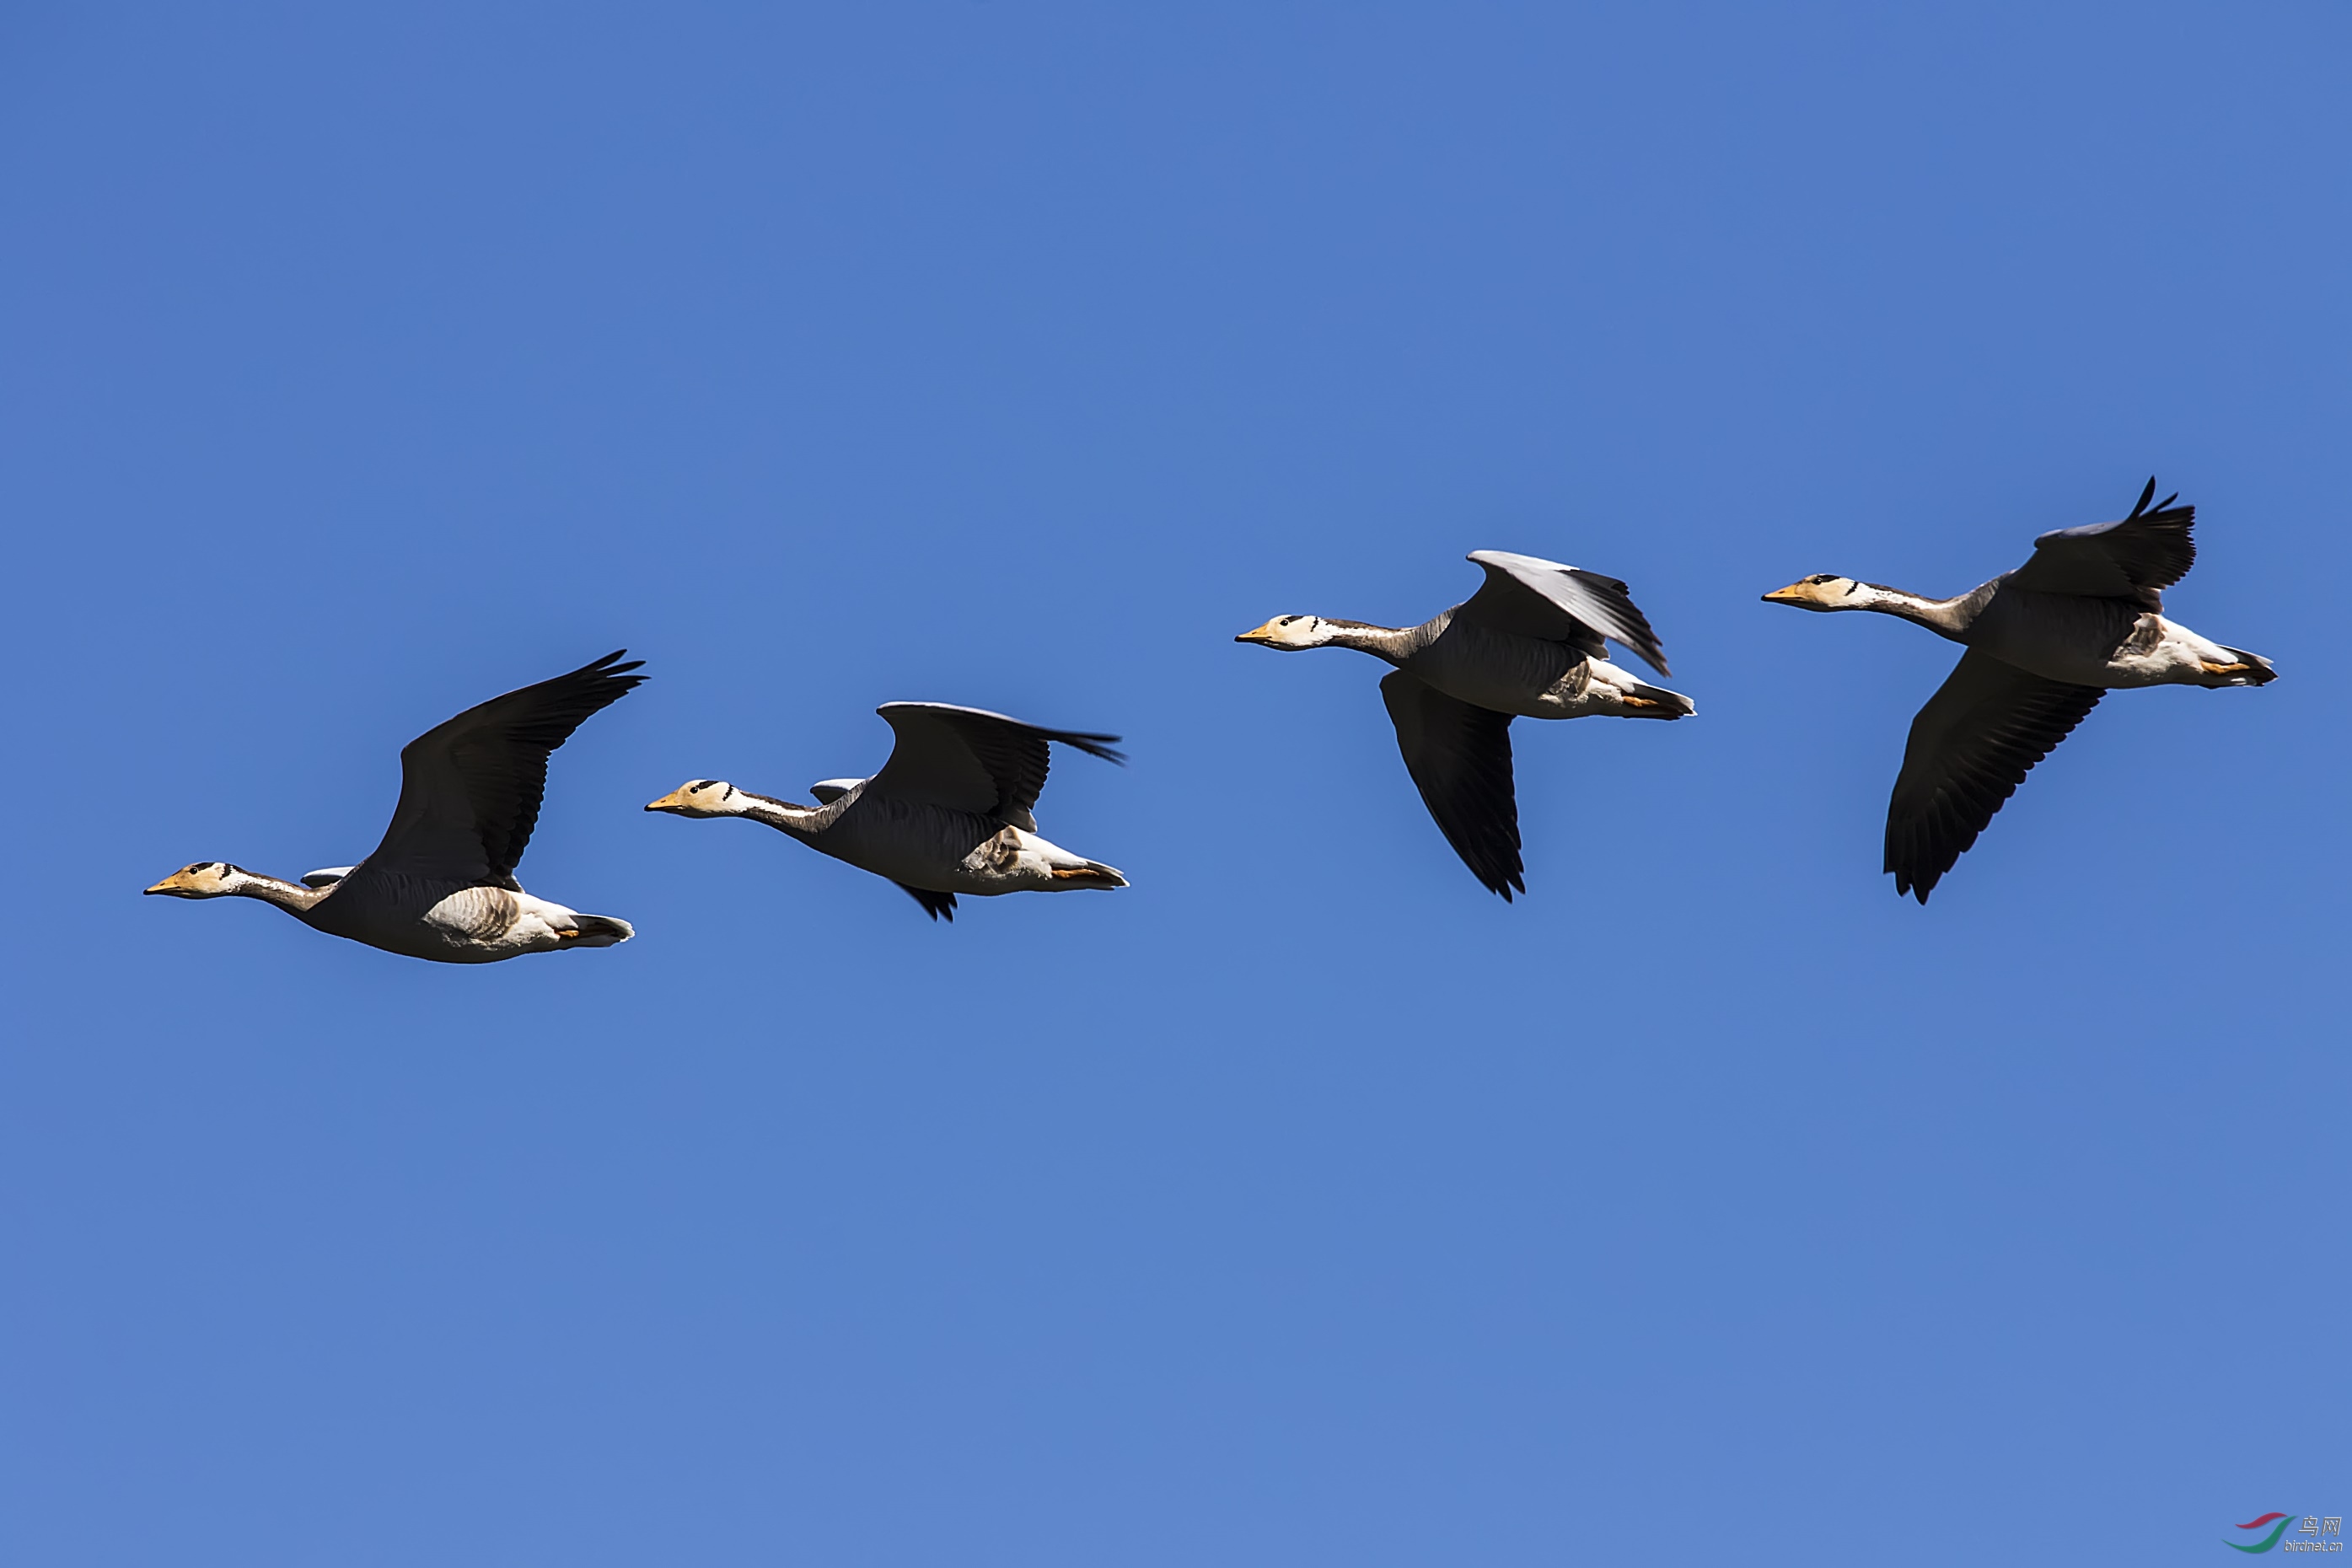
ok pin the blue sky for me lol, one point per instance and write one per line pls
(1303, 1203)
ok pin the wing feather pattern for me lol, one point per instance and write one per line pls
(1460, 759)
(2135, 557)
(470, 789)
(1970, 749)
(968, 759)
(1539, 599)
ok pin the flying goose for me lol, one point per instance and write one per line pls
(2045, 642)
(442, 885)
(1529, 643)
(949, 813)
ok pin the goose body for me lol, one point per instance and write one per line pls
(441, 886)
(2083, 616)
(1529, 677)
(949, 813)
(2111, 644)
(1532, 643)
(426, 918)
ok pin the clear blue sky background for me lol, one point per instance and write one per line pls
(1303, 1204)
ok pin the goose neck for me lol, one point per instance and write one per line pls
(291, 897)
(799, 821)
(1946, 617)
(1394, 643)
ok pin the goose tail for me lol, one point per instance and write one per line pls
(1645, 701)
(2235, 668)
(1088, 874)
(2244, 669)
(600, 931)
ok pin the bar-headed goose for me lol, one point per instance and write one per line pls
(442, 885)
(2045, 642)
(1531, 644)
(949, 813)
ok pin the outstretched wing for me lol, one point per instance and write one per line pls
(1539, 599)
(971, 760)
(1460, 759)
(1971, 747)
(2133, 557)
(470, 789)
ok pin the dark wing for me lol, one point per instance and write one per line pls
(1971, 747)
(2132, 558)
(1539, 599)
(969, 760)
(470, 789)
(936, 905)
(1460, 759)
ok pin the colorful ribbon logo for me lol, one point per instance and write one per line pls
(2267, 1541)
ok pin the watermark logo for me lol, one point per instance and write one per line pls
(2310, 1535)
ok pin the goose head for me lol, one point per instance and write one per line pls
(702, 797)
(1290, 633)
(1822, 591)
(207, 880)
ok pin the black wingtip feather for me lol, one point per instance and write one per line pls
(610, 665)
(938, 906)
(1092, 745)
(2141, 509)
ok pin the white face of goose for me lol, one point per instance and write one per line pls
(700, 797)
(1289, 632)
(1822, 591)
(204, 879)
